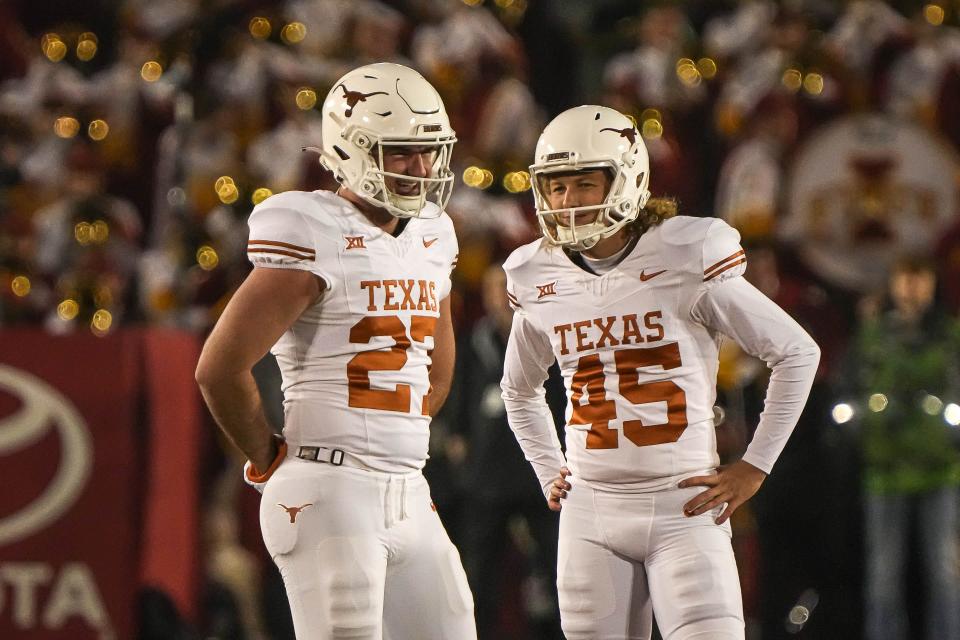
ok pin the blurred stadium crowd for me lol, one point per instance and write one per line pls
(136, 135)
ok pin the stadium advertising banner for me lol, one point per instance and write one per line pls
(78, 508)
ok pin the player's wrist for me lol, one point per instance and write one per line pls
(278, 451)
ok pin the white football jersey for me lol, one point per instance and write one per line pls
(640, 372)
(355, 365)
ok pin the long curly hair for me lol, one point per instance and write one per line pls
(655, 212)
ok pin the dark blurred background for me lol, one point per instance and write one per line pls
(136, 136)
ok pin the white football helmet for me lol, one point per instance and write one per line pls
(382, 105)
(587, 138)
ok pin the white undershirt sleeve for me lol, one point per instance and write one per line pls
(524, 371)
(735, 308)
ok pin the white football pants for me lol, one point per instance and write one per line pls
(363, 555)
(624, 558)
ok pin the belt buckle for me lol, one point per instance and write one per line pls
(308, 453)
(336, 457)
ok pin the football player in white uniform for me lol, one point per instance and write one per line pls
(632, 302)
(350, 291)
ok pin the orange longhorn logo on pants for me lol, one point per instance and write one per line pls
(293, 511)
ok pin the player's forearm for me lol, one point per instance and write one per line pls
(524, 371)
(532, 425)
(441, 377)
(790, 383)
(234, 402)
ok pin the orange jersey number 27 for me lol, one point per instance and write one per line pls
(361, 394)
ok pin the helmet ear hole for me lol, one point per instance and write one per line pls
(363, 141)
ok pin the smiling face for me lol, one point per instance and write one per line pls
(416, 162)
(577, 189)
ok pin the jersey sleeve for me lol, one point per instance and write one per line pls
(280, 239)
(722, 257)
(737, 309)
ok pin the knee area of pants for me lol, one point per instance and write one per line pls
(364, 632)
(578, 626)
(353, 610)
(717, 624)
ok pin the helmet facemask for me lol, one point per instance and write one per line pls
(560, 226)
(435, 187)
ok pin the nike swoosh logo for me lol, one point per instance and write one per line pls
(428, 243)
(644, 277)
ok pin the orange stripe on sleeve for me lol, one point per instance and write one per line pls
(287, 245)
(726, 268)
(281, 252)
(715, 265)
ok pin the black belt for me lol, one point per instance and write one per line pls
(321, 454)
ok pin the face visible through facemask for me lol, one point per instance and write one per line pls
(413, 161)
(566, 191)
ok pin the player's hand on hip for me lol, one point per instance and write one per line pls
(558, 489)
(733, 485)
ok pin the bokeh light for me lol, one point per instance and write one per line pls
(931, 405)
(473, 176)
(306, 98)
(652, 129)
(66, 127)
(87, 46)
(487, 179)
(934, 14)
(68, 309)
(877, 402)
(707, 67)
(53, 47)
(951, 413)
(20, 285)
(687, 72)
(101, 322)
(259, 195)
(207, 258)
(813, 84)
(151, 71)
(260, 28)
(516, 181)
(98, 130)
(99, 232)
(294, 33)
(792, 79)
(228, 193)
(842, 413)
(83, 233)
